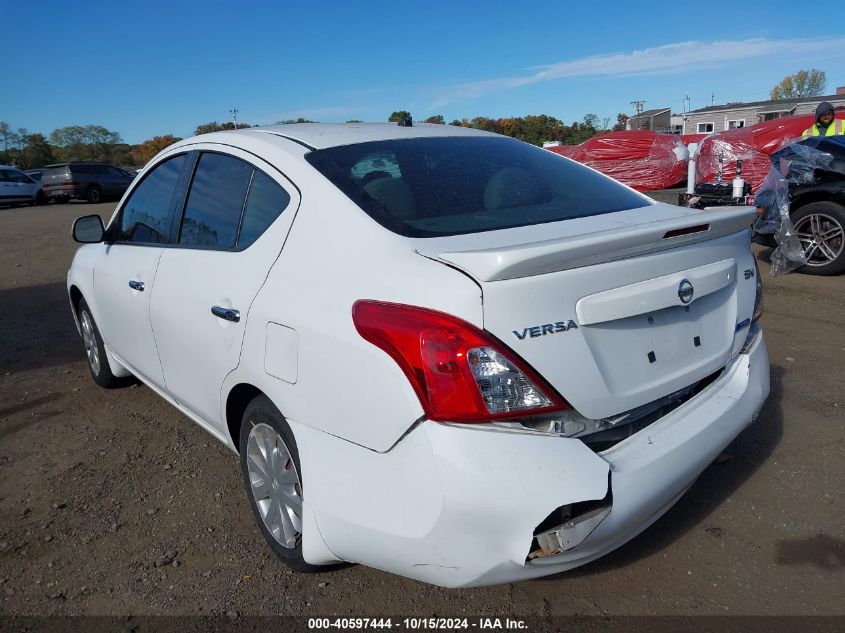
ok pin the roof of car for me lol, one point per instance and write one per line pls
(322, 135)
(75, 162)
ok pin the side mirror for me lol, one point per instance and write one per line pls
(88, 229)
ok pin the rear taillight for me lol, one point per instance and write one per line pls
(459, 372)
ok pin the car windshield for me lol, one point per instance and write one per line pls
(431, 187)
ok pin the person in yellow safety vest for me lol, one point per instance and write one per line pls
(825, 124)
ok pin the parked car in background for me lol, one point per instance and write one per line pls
(93, 182)
(36, 175)
(438, 351)
(815, 173)
(18, 188)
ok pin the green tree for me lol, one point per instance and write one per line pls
(804, 83)
(36, 152)
(141, 154)
(399, 115)
(591, 121)
(121, 154)
(299, 120)
(214, 126)
(621, 122)
(437, 118)
(89, 142)
(5, 132)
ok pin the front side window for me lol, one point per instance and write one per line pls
(146, 216)
(429, 187)
(215, 202)
(17, 176)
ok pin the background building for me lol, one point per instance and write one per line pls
(658, 120)
(718, 118)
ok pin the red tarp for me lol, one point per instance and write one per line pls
(752, 145)
(686, 139)
(641, 159)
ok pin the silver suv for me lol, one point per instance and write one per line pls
(93, 182)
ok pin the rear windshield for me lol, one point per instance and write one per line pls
(53, 171)
(431, 187)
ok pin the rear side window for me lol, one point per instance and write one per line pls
(430, 187)
(146, 216)
(216, 202)
(265, 202)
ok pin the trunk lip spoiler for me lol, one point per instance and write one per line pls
(565, 253)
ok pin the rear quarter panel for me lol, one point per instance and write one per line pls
(334, 255)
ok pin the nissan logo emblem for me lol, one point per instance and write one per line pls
(685, 291)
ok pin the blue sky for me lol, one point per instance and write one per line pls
(150, 67)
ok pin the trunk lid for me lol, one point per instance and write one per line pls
(619, 310)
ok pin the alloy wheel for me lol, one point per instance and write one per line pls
(821, 237)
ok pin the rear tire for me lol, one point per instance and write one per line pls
(95, 351)
(271, 474)
(820, 227)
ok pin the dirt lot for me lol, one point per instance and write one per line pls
(112, 502)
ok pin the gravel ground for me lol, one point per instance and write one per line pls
(112, 502)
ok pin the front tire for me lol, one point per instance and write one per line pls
(94, 195)
(820, 227)
(95, 351)
(271, 474)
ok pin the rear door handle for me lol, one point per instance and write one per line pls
(228, 314)
(136, 285)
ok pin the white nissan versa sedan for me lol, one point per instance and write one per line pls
(439, 352)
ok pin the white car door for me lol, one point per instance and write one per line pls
(124, 275)
(25, 186)
(16, 186)
(236, 217)
(5, 186)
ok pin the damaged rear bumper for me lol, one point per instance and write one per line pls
(458, 505)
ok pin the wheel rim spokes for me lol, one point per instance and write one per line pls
(90, 342)
(821, 237)
(275, 484)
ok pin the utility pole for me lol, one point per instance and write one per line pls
(234, 113)
(638, 106)
(686, 104)
(712, 98)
